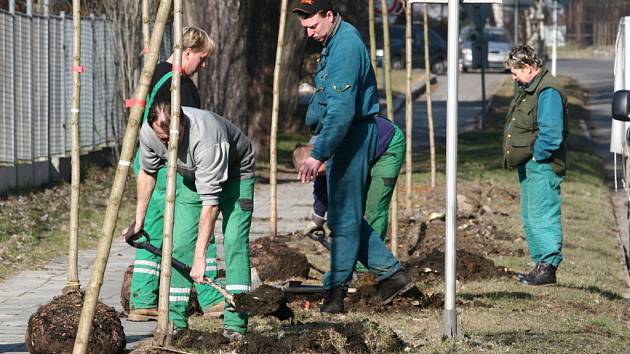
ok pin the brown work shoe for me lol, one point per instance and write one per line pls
(143, 315)
(215, 311)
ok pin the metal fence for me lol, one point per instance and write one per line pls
(36, 86)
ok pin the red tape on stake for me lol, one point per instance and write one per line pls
(146, 50)
(78, 69)
(133, 102)
(178, 69)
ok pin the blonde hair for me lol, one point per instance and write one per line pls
(198, 40)
(521, 55)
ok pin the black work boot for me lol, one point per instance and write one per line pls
(333, 300)
(397, 284)
(531, 273)
(545, 275)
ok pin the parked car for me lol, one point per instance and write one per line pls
(437, 48)
(499, 46)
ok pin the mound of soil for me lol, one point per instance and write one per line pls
(354, 337)
(193, 304)
(275, 261)
(265, 300)
(53, 328)
(470, 266)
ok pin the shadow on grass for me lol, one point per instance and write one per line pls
(607, 294)
(498, 295)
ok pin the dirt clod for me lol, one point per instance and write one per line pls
(265, 300)
(53, 328)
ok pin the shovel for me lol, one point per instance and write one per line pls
(132, 239)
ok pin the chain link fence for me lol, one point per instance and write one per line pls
(36, 87)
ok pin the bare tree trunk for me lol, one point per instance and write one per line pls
(162, 337)
(390, 113)
(290, 75)
(273, 155)
(113, 205)
(223, 84)
(408, 107)
(427, 77)
(372, 27)
(73, 273)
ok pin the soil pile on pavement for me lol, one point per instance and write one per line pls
(275, 261)
(53, 328)
(125, 290)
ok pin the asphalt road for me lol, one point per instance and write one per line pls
(469, 106)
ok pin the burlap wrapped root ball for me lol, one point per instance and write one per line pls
(53, 328)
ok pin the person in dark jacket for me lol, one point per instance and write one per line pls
(535, 143)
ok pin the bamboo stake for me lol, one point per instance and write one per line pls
(73, 243)
(427, 76)
(162, 337)
(113, 205)
(273, 155)
(146, 31)
(387, 66)
(408, 108)
(372, 27)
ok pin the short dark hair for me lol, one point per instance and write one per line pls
(162, 108)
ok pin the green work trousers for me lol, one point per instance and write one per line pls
(145, 280)
(540, 211)
(381, 186)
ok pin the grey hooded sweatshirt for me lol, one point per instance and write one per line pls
(212, 151)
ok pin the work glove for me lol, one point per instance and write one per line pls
(315, 224)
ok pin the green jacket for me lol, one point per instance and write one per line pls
(345, 89)
(521, 124)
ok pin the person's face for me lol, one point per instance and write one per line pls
(524, 75)
(193, 61)
(318, 27)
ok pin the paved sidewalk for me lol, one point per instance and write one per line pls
(22, 295)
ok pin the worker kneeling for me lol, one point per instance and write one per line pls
(217, 162)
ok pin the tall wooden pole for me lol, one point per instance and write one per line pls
(161, 333)
(146, 31)
(387, 67)
(73, 273)
(427, 76)
(408, 108)
(372, 29)
(118, 187)
(273, 154)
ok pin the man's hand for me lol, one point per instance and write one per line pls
(198, 270)
(309, 170)
(136, 228)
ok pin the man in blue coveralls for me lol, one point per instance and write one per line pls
(342, 112)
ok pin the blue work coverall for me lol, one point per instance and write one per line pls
(342, 113)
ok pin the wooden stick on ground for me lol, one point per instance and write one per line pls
(408, 108)
(113, 205)
(273, 154)
(73, 243)
(387, 66)
(161, 333)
